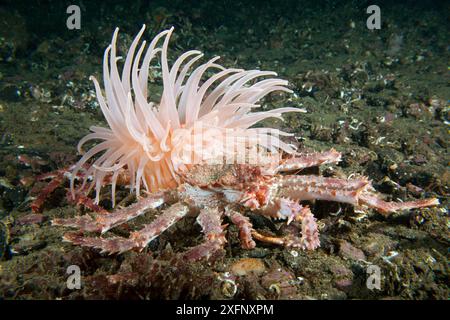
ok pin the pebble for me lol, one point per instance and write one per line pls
(344, 284)
(346, 250)
(282, 283)
(246, 266)
(340, 271)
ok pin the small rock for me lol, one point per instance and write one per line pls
(340, 271)
(281, 283)
(346, 250)
(246, 266)
(344, 284)
(377, 245)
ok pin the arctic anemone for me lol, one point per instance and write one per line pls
(198, 118)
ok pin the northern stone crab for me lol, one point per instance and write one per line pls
(218, 191)
(169, 148)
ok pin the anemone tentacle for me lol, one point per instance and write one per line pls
(154, 141)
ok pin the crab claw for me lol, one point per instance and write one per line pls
(289, 209)
(256, 197)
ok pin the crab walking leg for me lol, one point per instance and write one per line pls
(302, 188)
(210, 219)
(289, 241)
(308, 241)
(106, 222)
(82, 199)
(57, 177)
(283, 208)
(322, 182)
(310, 231)
(355, 192)
(37, 204)
(245, 228)
(138, 239)
(107, 245)
(387, 207)
(309, 160)
(320, 188)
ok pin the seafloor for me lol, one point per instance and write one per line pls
(380, 97)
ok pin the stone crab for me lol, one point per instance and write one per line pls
(214, 192)
(157, 146)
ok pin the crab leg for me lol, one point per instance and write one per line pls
(310, 232)
(303, 188)
(210, 219)
(245, 228)
(386, 207)
(287, 241)
(103, 223)
(290, 209)
(138, 239)
(320, 188)
(107, 245)
(36, 206)
(322, 182)
(57, 177)
(273, 203)
(355, 192)
(309, 160)
(82, 199)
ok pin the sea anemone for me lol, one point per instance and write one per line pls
(192, 123)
